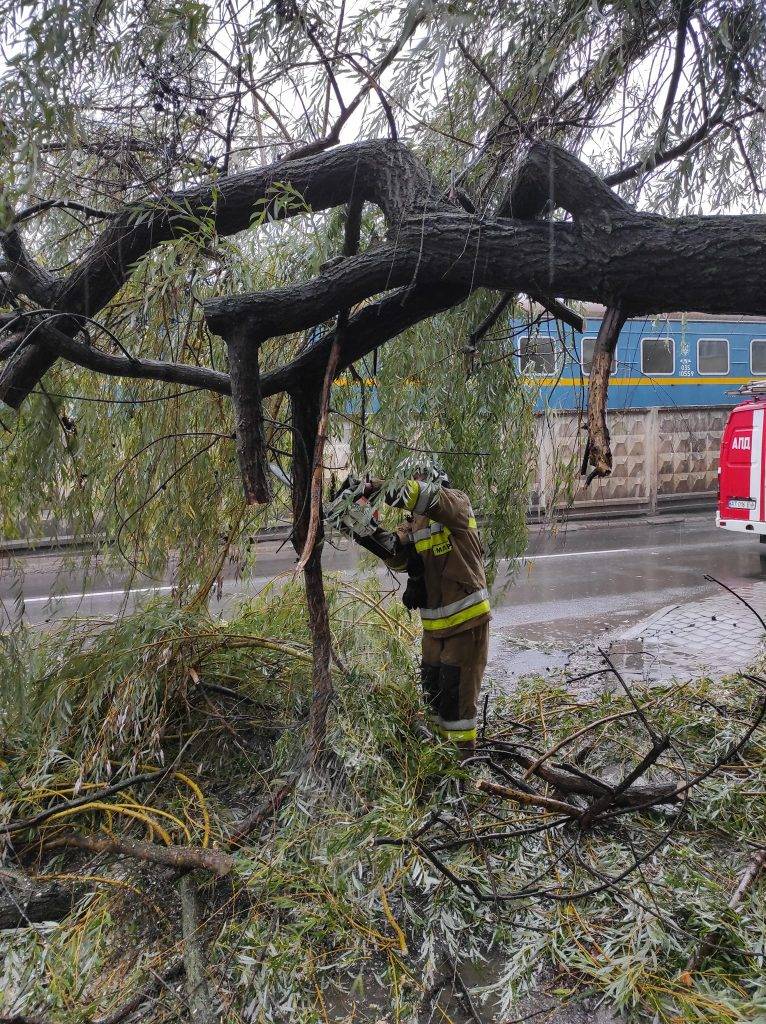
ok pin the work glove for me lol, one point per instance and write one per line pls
(415, 594)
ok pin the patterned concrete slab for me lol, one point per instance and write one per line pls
(716, 635)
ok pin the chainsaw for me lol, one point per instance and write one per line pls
(358, 519)
(344, 512)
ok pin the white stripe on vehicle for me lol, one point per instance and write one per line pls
(756, 474)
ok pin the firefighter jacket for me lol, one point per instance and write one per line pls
(444, 533)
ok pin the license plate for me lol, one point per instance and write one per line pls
(741, 503)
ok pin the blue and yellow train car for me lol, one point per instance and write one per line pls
(676, 359)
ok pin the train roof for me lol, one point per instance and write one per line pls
(595, 311)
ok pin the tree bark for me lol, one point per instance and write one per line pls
(379, 171)
(305, 417)
(186, 858)
(248, 415)
(201, 1009)
(609, 253)
(371, 327)
(648, 264)
(599, 446)
(24, 901)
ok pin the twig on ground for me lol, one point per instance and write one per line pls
(629, 694)
(609, 799)
(466, 996)
(570, 779)
(201, 1009)
(755, 866)
(749, 607)
(528, 799)
(574, 736)
(186, 857)
(269, 807)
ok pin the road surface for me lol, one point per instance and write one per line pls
(578, 582)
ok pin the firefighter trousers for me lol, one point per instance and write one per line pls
(451, 673)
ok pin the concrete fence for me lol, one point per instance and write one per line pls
(661, 457)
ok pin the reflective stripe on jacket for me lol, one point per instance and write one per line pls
(443, 531)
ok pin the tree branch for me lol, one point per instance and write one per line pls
(61, 204)
(245, 380)
(25, 276)
(599, 452)
(550, 177)
(350, 247)
(658, 159)
(381, 172)
(709, 264)
(201, 1009)
(53, 344)
(678, 64)
(187, 858)
(373, 78)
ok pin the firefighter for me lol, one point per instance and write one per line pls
(440, 547)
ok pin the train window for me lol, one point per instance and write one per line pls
(758, 357)
(658, 356)
(588, 346)
(538, 354)
(713, 355)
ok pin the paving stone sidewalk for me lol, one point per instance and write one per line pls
(714, 636)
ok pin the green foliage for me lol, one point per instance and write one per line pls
(109, 105)
(474, 413)
(320, 917)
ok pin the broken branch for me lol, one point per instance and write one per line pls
(350, 247)
(183, 857)
(248, 413)
(20, 824)
(599, 445)
(528, 799)
(201, 1009)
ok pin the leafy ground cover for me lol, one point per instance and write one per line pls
(381, 882)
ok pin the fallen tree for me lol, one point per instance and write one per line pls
(181, 224)
(524, 215)
(437, 254)
(572, 823)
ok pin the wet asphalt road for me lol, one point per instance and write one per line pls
(578, 582)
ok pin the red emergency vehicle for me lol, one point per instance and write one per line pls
(741, 476)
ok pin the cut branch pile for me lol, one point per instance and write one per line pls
(581, 804)
(581, 814)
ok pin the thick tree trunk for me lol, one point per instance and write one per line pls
(437, 254)
(305, 417)
(248, 415)
(648, 263)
